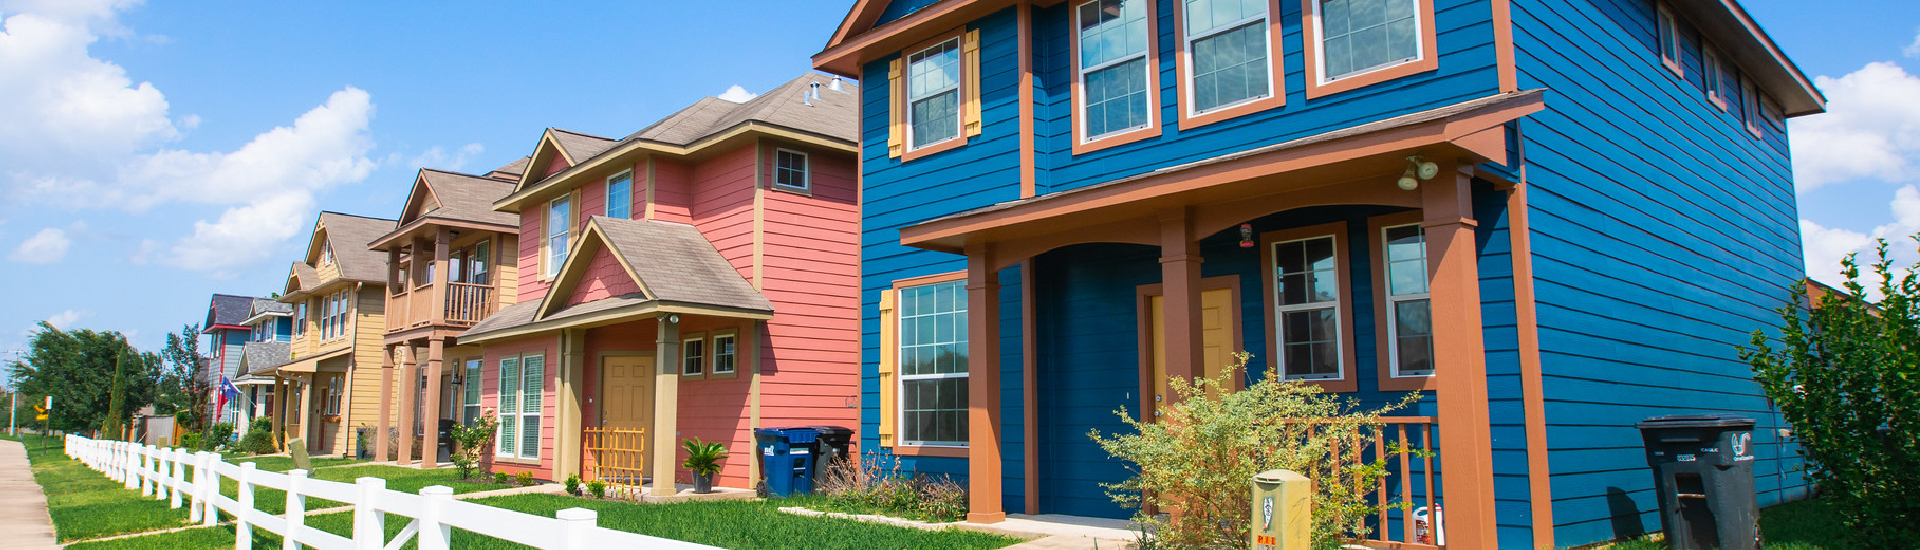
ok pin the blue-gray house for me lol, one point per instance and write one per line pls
(1552, 217)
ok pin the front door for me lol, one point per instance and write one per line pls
(626, 397)
(1216, 337)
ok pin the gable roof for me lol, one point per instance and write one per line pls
(303, 278)
(464, 197)
(510, 172)
(261, 358)
(581, 146)
(228, 310)
(349, 235)
(674, 265)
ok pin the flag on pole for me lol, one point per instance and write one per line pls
(227, 392)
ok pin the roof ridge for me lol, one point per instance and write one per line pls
(581, 134)
(325, 212)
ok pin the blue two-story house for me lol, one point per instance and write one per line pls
(1554, 218)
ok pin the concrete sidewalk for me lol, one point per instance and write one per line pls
(24, 523)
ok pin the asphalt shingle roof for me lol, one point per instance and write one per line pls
(581, 147)
(835, 114)
(261, 358)
(350, 236)
(512, 171)
(466, 197)
(227, 309)
(269, 305)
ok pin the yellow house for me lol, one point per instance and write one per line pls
(329, 391)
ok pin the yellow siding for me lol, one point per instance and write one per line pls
(507, 268)
(363, 395)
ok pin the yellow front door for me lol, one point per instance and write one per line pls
(1216, 337)
(627, 397)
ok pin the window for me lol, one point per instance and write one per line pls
(521, 384)
(471, 402)
(1361, 36)
(1750, 108)
(300, 319)
(1307, 307)
(933, 94)
(1227, 46)
(620, 195)
(1409, 312)
(693, 356)
(332, 405)
(1668, 35)
(559, 216)
(480, 259)
(725, 358)
(1113, 67)
(1771, 112)
(326, 317)
(790, 169)
(334, 322)
(933, 364)
(326, 254)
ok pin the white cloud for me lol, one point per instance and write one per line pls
(1871, 129)
(737, 94)
(47, 246)
(438, 158)
(64, 320)
(1913, 50)
(1825, 246)
(67, 111)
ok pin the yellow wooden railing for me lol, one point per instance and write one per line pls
(617, 457)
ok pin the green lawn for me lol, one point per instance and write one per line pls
(407, 480)
(742, 525)
(282, 464)
(1803, 525)
(85, 504)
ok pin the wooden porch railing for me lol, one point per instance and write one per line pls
(1411, 447)
(468, 303)
(418, 312)
(616, 456)
(399, 310)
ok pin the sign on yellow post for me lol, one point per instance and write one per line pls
(1282, 511)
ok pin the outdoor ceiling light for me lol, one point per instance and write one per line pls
(1418, 170)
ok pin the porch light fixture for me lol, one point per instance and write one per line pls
(1246, 235)
(455, 379)
(1418, 170)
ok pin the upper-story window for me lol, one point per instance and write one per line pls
(326, 254)
(1770, 111)
(1718, 79)
(1227, 41)
(790, 170)
(1667, 32)
(300, 319)
(620, 195)
(478, 262)
(1114, 64)
(1353, 43)
(933, 94)
(559, 222)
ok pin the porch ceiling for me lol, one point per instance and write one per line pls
(1310, 167)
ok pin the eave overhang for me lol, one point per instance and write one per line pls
(1737, 36)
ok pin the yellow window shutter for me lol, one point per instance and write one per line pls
(889, 352)
(896, 131)
(970, 104)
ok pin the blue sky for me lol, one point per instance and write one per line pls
(153, 153)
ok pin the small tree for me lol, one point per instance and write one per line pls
(1202, 452)
(470, 441)
(1846, 375)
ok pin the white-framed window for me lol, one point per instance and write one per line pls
(725, 357)
(521, 383)
(790, 169)
(334, 386)
(470, 405)
(479, 262)
(693, 356)
(300, 318)
(559, 224)
(1307, 308)
(326, 254)
(1363, 36)
(1409, 307)
(933, 364)
(933, 94)
(1227, 45)
(1113, 66)
(620, 195)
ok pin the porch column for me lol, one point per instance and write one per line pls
(1460, 358)
(430, 414)
(1180, 280)
(442, 239)
(380, 446)
(306, 409)
(405, 386)
(570, 391)
(983, 387)
(279, 411)
(393, 305)
(666, 405)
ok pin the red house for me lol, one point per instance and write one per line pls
(696, 279)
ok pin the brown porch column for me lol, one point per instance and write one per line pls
(406, 385)
(666, 405)
(983, 387)
(430, 413)
(1180, 279)
(380, 446)
(1460, 358)
(442, 239)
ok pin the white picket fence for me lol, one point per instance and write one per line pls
(193, 478)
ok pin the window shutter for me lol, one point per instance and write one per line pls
(970, 90)
(896, 105)
(889, 353)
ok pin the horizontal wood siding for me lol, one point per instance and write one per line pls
(722, 207)
(1663, 234)
(361, 400)
(490, 398)
(605, 278)
(811, 266)
(532, 233)
(672, 191)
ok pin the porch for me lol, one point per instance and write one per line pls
(1315, 255)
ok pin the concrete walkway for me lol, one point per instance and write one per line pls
(24, 523)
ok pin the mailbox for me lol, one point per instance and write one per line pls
(1282, 511)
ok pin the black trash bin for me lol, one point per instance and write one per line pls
(832, 448)
(445, 452)
(1703, 473)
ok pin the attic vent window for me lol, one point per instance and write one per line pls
(790, 170)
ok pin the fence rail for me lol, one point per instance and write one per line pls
(617, 457)
(192, 479)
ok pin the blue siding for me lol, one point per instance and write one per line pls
(1663, 234)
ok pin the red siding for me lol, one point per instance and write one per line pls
(723, 205)
(673, 193)
(531, 235)
(811, 273)
(605, 278)
(713, 409)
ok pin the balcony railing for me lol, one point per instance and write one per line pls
(466, 304)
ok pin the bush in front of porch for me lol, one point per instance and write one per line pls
(1199, 457)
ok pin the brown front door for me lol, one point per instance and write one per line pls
(626, 397)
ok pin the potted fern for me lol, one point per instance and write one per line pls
(704, 459)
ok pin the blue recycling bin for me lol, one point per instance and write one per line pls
(786, 460)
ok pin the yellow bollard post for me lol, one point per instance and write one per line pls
(1282, 511)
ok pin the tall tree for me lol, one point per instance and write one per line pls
(76, 369)
(183, 387)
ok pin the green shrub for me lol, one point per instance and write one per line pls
(217, 436)
(500, 478)
(470, 442)
(573, 484)
(1201, 453)
(190, 441)
(525, 477)
(597, 488)
(703, 457)
(1846, 375)
(876, 482)
(259, 437)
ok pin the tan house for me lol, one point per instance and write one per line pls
(331, 383)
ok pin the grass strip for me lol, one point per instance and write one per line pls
(84, 504)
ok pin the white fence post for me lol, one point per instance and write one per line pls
(296, 509)
(146, 465)
(574, 531)
(179, 477)
(198, 503)
(209, 486)
(128, 470)
(435, 534)
(242, 529)
(369, 521)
